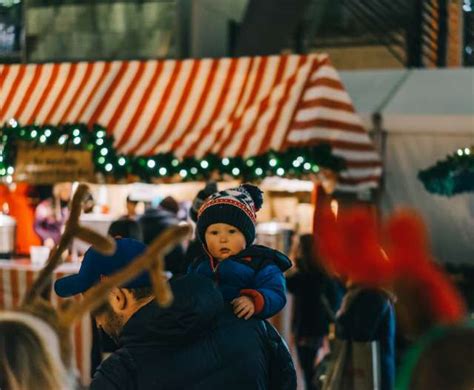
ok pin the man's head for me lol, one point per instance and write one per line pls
(131, 207)
(236, 207)
(122, 302)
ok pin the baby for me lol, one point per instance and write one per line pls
(249, 276)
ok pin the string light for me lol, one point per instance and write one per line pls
(107, 162)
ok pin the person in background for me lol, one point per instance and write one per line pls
(316, 299)
(170, 204)
(368, 314)
(131, 206)
(152, 223)
(30, 354)
(196, 343)
(249, 276)
(88, 204)
(51, 214)
(126, 228)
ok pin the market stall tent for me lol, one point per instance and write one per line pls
(230, 107)
(426, 115)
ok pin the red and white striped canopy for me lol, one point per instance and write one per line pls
(231, 107)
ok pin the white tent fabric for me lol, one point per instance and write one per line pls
(427, 114)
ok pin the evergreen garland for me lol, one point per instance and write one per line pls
(298, 162)
(451, 176)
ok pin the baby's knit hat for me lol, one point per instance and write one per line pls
(236, 207)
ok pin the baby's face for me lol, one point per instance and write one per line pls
(224, 240)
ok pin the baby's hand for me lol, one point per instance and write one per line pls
(243, 307)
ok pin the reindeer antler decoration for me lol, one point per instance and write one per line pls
(397, 256)
(62, 318)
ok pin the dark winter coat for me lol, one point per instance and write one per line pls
(256, 272)
(197, 343)
(152, 223)
(369, 315)
(316, 299)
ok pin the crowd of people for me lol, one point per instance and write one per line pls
(216, 334)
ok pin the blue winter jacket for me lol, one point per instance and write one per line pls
(256, 272)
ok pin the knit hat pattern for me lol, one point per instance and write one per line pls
(236, 207)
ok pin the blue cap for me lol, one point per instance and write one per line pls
(94, 265)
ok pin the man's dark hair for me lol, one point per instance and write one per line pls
(141, 292)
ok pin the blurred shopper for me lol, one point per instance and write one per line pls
(170, 204)
(196, 343)
(51, 214)
(30, 354)
(126, 228)
(131, 206)
(316, 300)
(366, 315)
(152, 223)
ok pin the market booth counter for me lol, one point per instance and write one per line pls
(172, 121)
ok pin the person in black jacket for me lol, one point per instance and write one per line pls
(368, 314)
(316, 298)
(196, 343)
(152, 223)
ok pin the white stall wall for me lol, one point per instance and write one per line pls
(450, 220)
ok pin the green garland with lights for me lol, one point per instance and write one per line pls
(452, 176)
(294, 162)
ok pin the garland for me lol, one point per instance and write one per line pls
(294, 162)
(452, 176)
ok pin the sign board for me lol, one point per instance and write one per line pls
(51, 164)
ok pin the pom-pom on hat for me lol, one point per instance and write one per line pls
(234, 206)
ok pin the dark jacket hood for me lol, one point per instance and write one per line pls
(265, 253)
(193, 311)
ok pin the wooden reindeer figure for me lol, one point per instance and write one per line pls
(62, 318)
